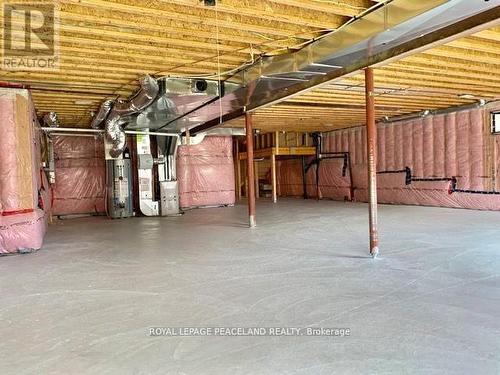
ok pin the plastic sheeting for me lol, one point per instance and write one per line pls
(289, 173)
(80, 186)
(456, 144)
(206, 173)
(23, 185)
(331, 185)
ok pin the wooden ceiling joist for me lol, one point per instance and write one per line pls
(106, 45)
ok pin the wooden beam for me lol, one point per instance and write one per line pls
(280, 151)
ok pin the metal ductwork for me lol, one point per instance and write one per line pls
(101, 115)
(142, 99)
(50, 120)
(117, 116)
(386, 31)
(177, 98)
(116, 135)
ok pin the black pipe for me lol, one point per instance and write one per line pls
(390, 172)
(304, 185)
(351, 181)
(453, 180)
(407, 171)
(318, 143)
(476, 192)
(432, 179)
(335, 153)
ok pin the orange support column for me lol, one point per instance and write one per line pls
(250, 171)
(371, 142)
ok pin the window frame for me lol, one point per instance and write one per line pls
(495, 122)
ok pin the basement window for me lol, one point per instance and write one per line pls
(495, 122)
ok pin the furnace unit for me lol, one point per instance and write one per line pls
(166, 203)
(118, 185)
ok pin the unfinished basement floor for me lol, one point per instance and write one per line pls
(429, 305)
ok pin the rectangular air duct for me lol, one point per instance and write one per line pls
(385, 31)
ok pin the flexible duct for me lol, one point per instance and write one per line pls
(116, 135)
(142, 99)
(101, 115)
(50, 119)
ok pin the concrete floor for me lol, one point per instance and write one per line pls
(429, 305)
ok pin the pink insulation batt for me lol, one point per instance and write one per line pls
(206, 173)
(80, 175)
(24, 195)
(435, 147)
